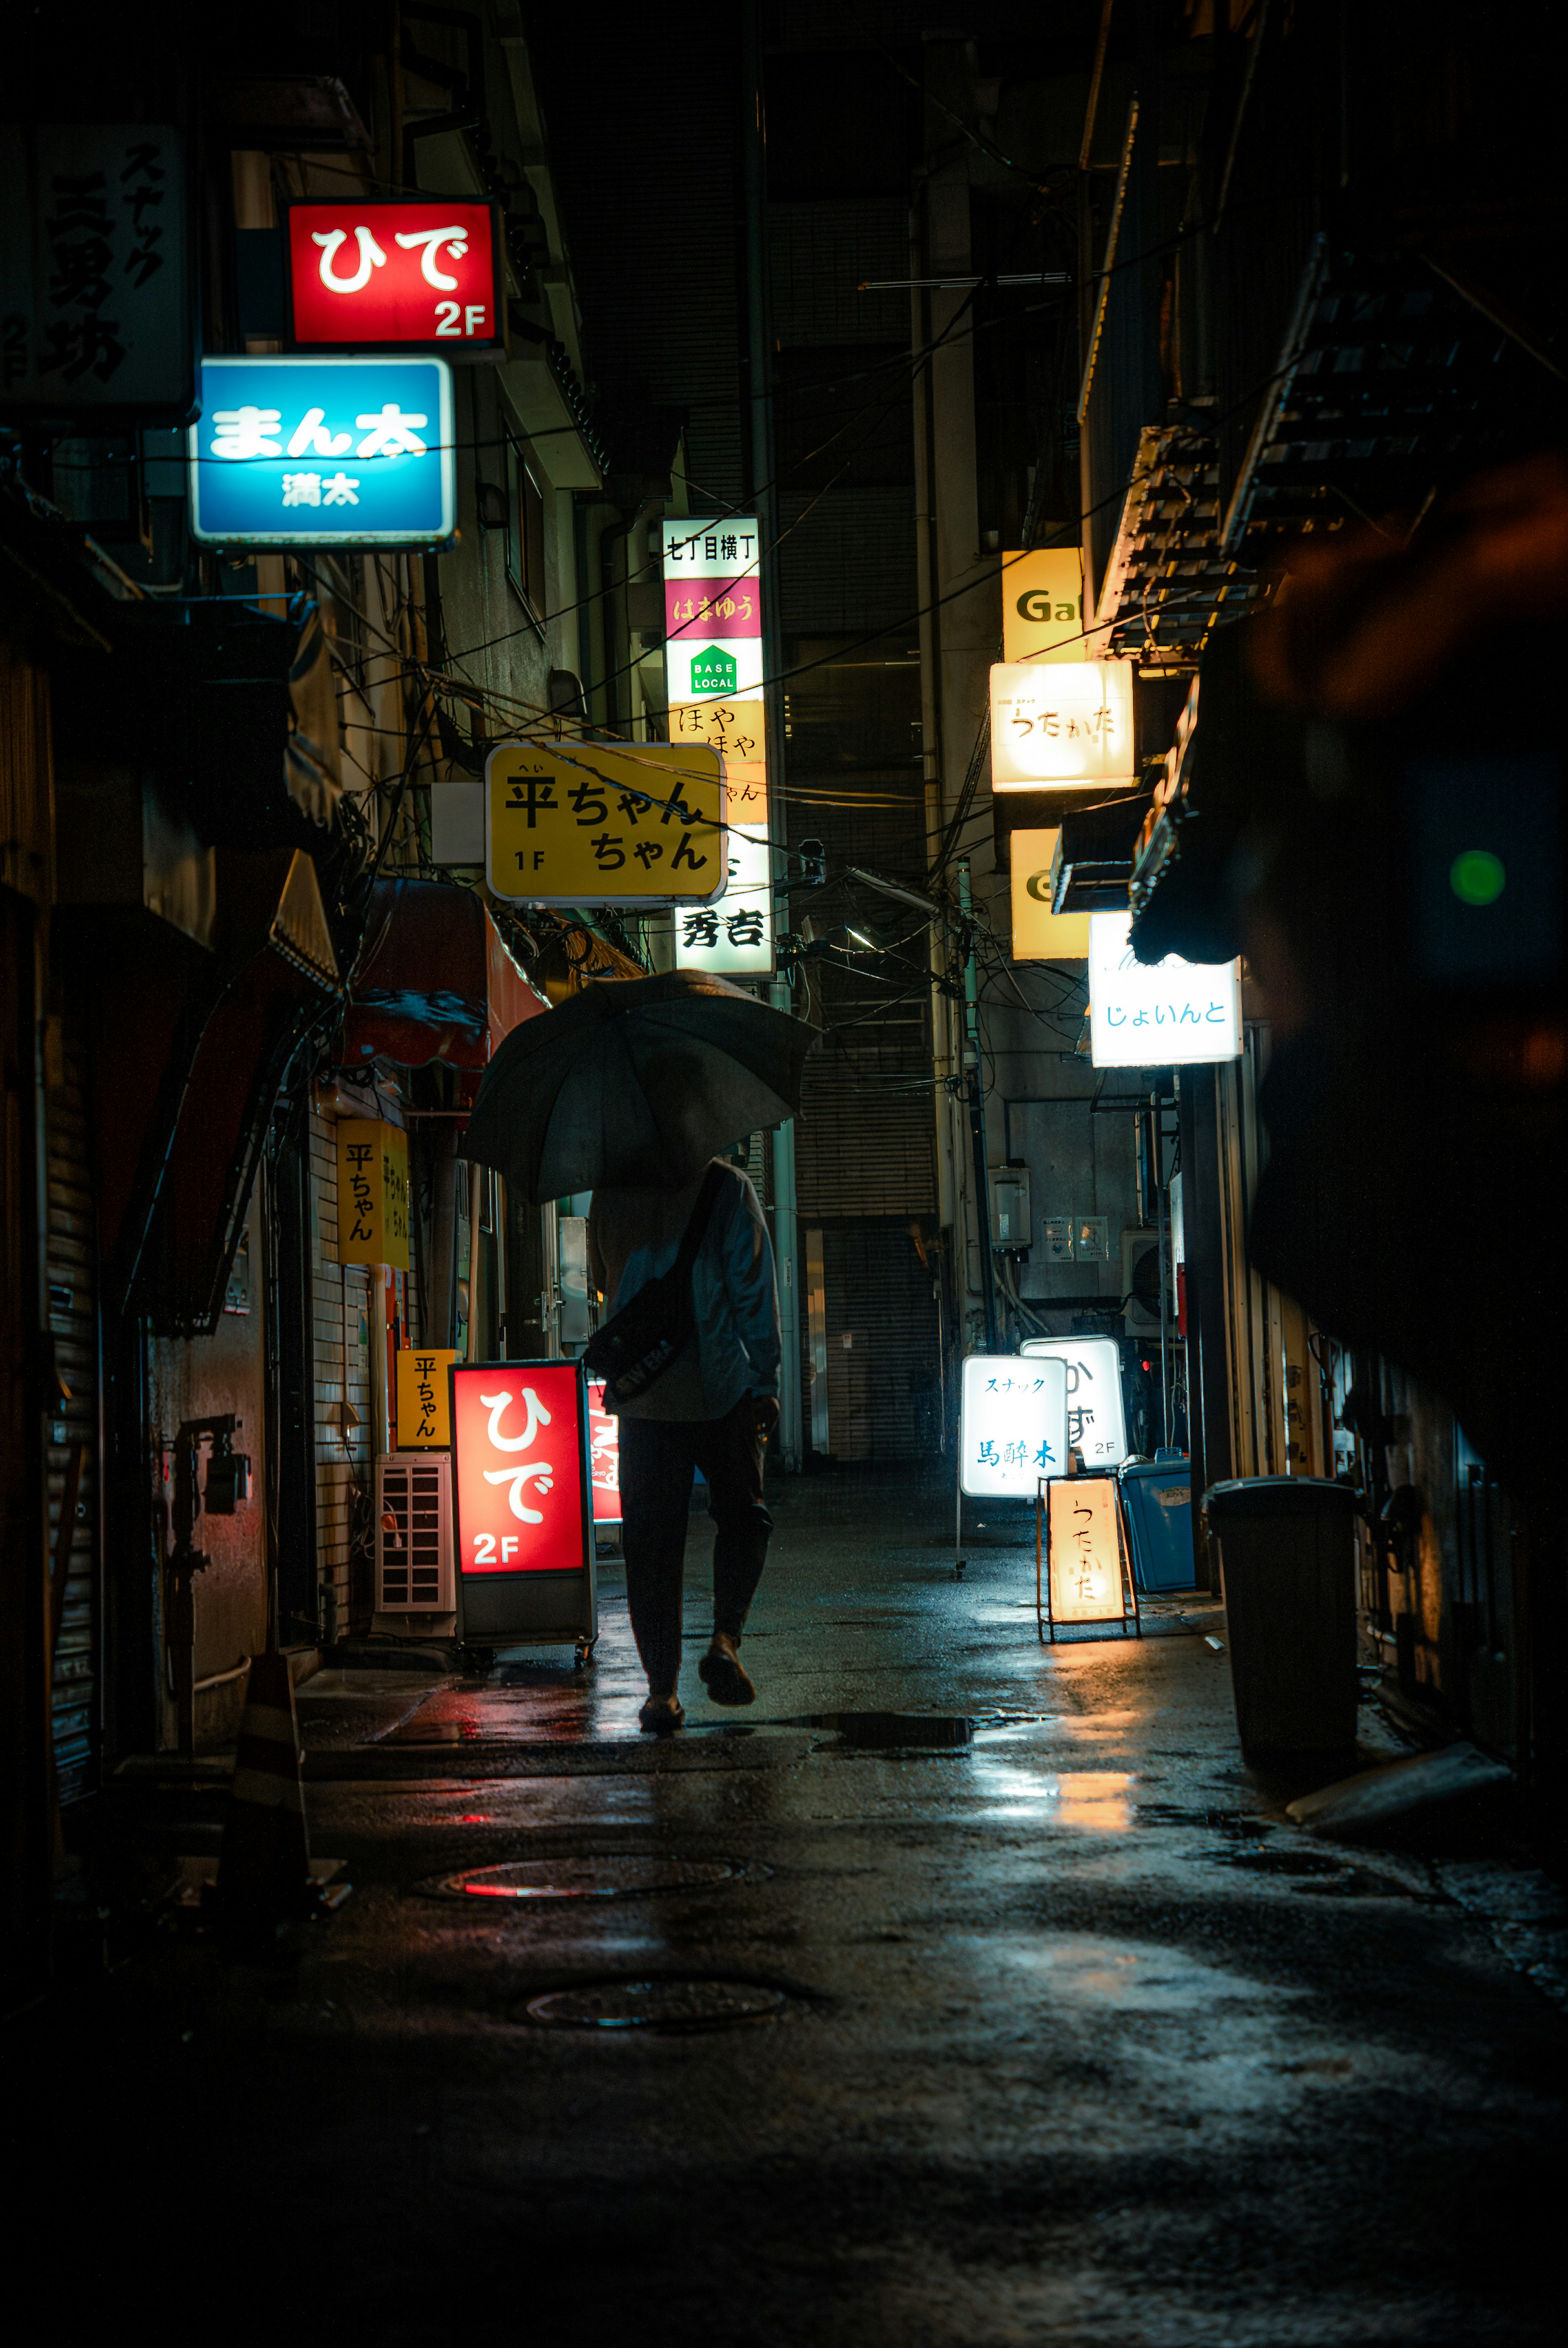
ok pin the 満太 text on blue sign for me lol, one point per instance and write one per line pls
(324, 452)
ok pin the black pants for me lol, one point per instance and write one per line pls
(657, 1459)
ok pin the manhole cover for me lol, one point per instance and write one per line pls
(610, 1878)
(656, 2005)
(879, 1730)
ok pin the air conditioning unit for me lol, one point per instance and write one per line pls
(416, 1563)
(1141, 1282)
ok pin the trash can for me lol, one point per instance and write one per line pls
(1287, 1561)
(1158, 1497)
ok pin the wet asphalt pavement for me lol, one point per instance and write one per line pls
(1063, 2034)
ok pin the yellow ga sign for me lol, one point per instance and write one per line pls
(1042, 605)
(596, 823)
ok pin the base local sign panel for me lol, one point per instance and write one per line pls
(1013, 1426)
(519, 1432)
(1096, 1419)
(324, 452)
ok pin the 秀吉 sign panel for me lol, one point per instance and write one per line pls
(324, 452)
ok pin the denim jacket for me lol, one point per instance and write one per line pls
(633, 1235)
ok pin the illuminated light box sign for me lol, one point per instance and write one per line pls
(1013, 1426)
(1062, 725)
(594, 823)
(734, 728)
(1096, 1419)
(425, 1398)
(1087, 1580)
(1155, 1016)
(521, 1473)
(603, 1456)
(1042, 605)
(373, 272)
(1037, 933)
(736, 936)
(725, 608)
(324, 452)
(698, 669)
(728, 550)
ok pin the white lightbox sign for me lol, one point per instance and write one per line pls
(1056, 725)
(1096, 1420)
(1013, 1426)
(1143, 1015)
(734, 936)
(713, 668)
(728, 549)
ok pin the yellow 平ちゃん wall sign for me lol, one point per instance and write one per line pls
(590, 823)
(372, 1192)
(423, 1398)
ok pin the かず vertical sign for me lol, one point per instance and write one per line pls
(520, 1433)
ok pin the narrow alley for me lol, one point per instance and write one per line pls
(1030, 2015)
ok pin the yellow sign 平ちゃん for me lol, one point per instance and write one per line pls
(372, 1192)
(590, 823)
(425, 1398)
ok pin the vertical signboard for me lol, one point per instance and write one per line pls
(521, 1496)
(1084, 1551)
(372, 1192)
(1042, 604)
(1013, 1426)
(1096, 1419)
(714, 676)
(603, 1456)
(425, 1398)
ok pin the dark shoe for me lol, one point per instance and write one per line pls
(723, 1674)
(661, 1714)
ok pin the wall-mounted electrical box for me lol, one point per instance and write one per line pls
(1012, 1225)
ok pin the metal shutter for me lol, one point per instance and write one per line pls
(73, 1453)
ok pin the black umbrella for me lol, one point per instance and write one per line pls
(635, 1080)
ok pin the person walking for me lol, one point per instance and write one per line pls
(713, 1408)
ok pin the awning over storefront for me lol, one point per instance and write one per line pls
(434, 981)
(190, 1115)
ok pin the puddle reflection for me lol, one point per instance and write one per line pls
(1093, 1801)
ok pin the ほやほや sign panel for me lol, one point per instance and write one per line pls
(394, 271)
(1013, 1426)
(425, 1398)
(372, 1200)
(1085, 1550)
(324, 452)
(519, 1435)
(586, 823)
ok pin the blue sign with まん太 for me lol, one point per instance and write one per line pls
(324, 452)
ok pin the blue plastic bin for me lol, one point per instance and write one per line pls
(1159, 1497)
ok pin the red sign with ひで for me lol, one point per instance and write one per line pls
(520, 1438)
(376, 275)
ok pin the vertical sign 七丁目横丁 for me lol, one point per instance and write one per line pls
(714, 659)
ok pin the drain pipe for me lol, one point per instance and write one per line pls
(616, 621)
